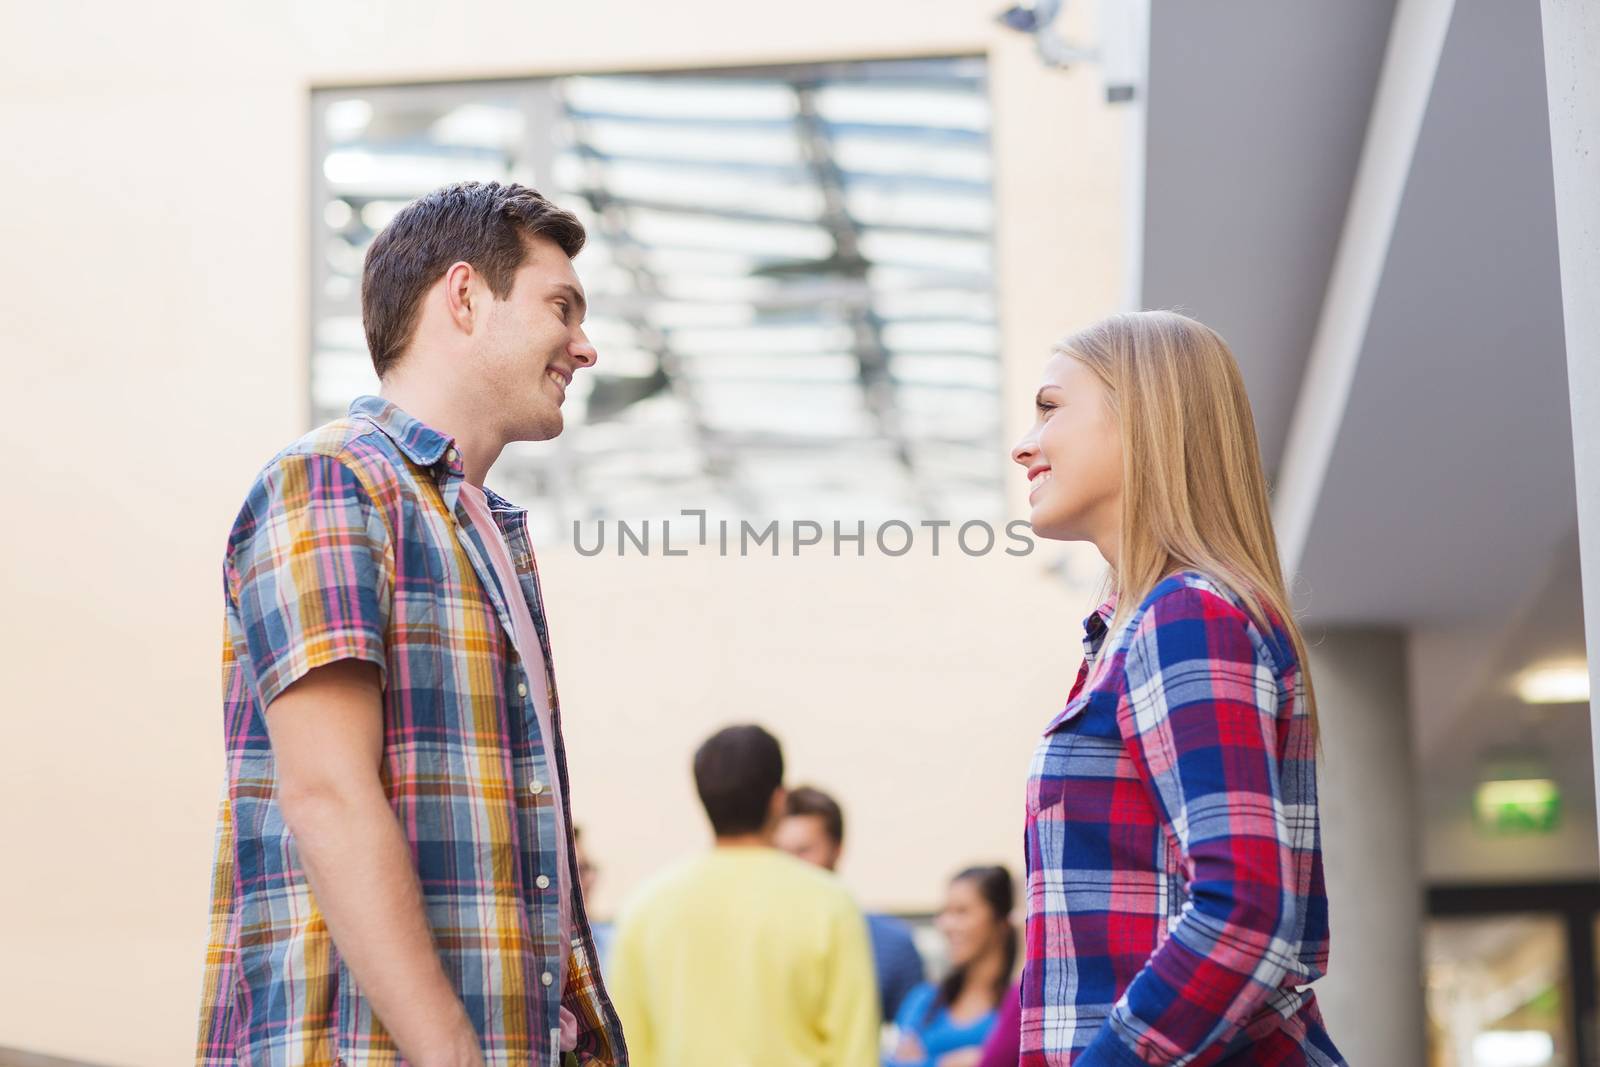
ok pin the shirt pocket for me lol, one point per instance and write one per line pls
(1080, 747)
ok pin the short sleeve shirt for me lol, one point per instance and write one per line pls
(353, 543)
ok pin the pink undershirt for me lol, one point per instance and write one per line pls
(529, 650)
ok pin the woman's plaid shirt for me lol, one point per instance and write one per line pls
(351, 545)
(1176, 908)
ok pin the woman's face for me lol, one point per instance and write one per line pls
(1073, 456)
(968, 923)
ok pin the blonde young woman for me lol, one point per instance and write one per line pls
(1175, 904)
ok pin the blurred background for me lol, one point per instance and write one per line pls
(831, 244)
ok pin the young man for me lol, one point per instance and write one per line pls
(813, 830)
(394, 874)
(745, 957)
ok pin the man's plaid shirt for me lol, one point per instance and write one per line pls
(352, 545)
(1176, 909)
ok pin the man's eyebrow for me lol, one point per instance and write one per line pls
(577, 298)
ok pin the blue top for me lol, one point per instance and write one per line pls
(898, 962)
(936, 1031)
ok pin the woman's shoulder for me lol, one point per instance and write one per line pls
(1187, 590)
(915, 1005)
(1193, 603)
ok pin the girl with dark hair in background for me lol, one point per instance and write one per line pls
(945, 1025)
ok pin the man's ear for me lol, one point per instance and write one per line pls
(460, 295)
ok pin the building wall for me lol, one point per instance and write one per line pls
(154, 355)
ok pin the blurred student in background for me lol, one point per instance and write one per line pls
(946, 1025)
(813, 830)
(588, 876)
(1004, 1047)
(744, 956)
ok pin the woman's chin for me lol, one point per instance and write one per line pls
(1051, 529)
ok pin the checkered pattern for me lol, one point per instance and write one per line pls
(1176, 906)
(351, 545)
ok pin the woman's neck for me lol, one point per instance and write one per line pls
(980, 981)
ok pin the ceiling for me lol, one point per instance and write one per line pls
(1447, 506)
(1254, 127)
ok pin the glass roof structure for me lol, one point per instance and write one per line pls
(790, 280)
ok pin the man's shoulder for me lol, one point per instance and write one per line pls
(349, 454)
(888, 929)
(352, 441)
(348, 459)
(808, 881)
(661, 889)
(785, 883)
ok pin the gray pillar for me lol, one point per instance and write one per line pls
(1572, 82)
(1372, 997)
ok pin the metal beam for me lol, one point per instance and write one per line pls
(1572, 85)
(1416, 40)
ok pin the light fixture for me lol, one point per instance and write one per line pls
(1513, 1048)
(1555, 683)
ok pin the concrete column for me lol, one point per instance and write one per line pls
(1572, 83)
(1372, 997)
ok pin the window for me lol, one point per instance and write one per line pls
(789, 273)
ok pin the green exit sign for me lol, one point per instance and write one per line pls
(1518, 805)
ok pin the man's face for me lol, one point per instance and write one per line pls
(806, 837)
(533, 343)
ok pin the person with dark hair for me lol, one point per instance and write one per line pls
(588, 874)
(394, 873)
(946, 1024)
(744, 955)
(813, 830)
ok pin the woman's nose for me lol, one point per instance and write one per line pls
(1024, 452)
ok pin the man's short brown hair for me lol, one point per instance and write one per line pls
(485, 224)
(809, 800)
(736, 772)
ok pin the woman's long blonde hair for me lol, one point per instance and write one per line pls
(1193, 492)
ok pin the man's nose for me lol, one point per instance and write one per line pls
(583, 352)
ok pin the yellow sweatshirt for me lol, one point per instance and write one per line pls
(745, 957)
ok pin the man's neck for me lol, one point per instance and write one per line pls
(745, 841)
(437, 409)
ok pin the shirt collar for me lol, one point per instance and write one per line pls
(1095, 626)
(422, 444)
(498, 502)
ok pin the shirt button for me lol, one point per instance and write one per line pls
(536, 787)
(522, 689)
(452, 455)
(547, 978)
(543, 881)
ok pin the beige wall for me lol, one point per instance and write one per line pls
(153, 355)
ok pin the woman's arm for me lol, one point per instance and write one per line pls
(1004, 1047)
(1201, 724)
